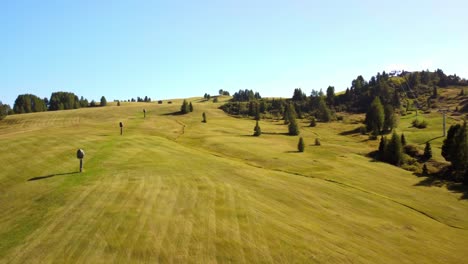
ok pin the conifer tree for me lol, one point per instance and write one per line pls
(103, 101)
(293, 128)
(204, 117)
(190, 107)
(382, 149)
(257, 130)
(455, 147)
(389, 118)
(289, 113)
(323, 112)
(313, 122)
(375, 116)
(403, 140)
(427, 151)
(425, 172)
(300, 145)
(394, 151)
(184, 109)
(317, 142)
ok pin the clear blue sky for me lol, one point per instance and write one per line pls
(174, 49)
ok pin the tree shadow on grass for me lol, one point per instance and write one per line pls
(432, 139)
(276, 133)
(292, 151)
(357, 130)
(176, 113)
(454, 187)
(51, 175)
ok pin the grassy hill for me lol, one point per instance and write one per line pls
(174, 189)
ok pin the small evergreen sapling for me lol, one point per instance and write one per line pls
(313, 122)
(300, 145)
(317, 142)
(257, 130)
(204, 117)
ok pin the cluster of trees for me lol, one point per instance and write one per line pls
(4, 110)
(29, 103)
(65, 100)
(289, 119)
(454, 149)
(394, 89)
(391, 151)
(146, 99)
(248, 103)
(245, 96)
(186, 108)
(207, 96)
(222, 92)
(380, 119)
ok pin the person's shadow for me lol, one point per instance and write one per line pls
(51, 175)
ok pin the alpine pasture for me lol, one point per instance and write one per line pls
(173, 189)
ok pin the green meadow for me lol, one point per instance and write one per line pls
(173, 189)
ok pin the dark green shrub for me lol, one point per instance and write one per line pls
(300, 145)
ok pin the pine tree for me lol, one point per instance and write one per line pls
(289, 113)
(103, 101)
(184, 109)
(317, 142)
(375, 116)
(300, 145)
(190, 107)
(389, 119)
(394, 151)
(427, 151)
(455, 147)
(403, 140)
(425, 172)
(382, 149)
(323, 112)
(204, 117)
(293, 128)
(257, 114)
(312, 122)
(257, 130)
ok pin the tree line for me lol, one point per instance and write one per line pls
(30, 103)
(396, 92)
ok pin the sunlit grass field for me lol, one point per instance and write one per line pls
(174, 189)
